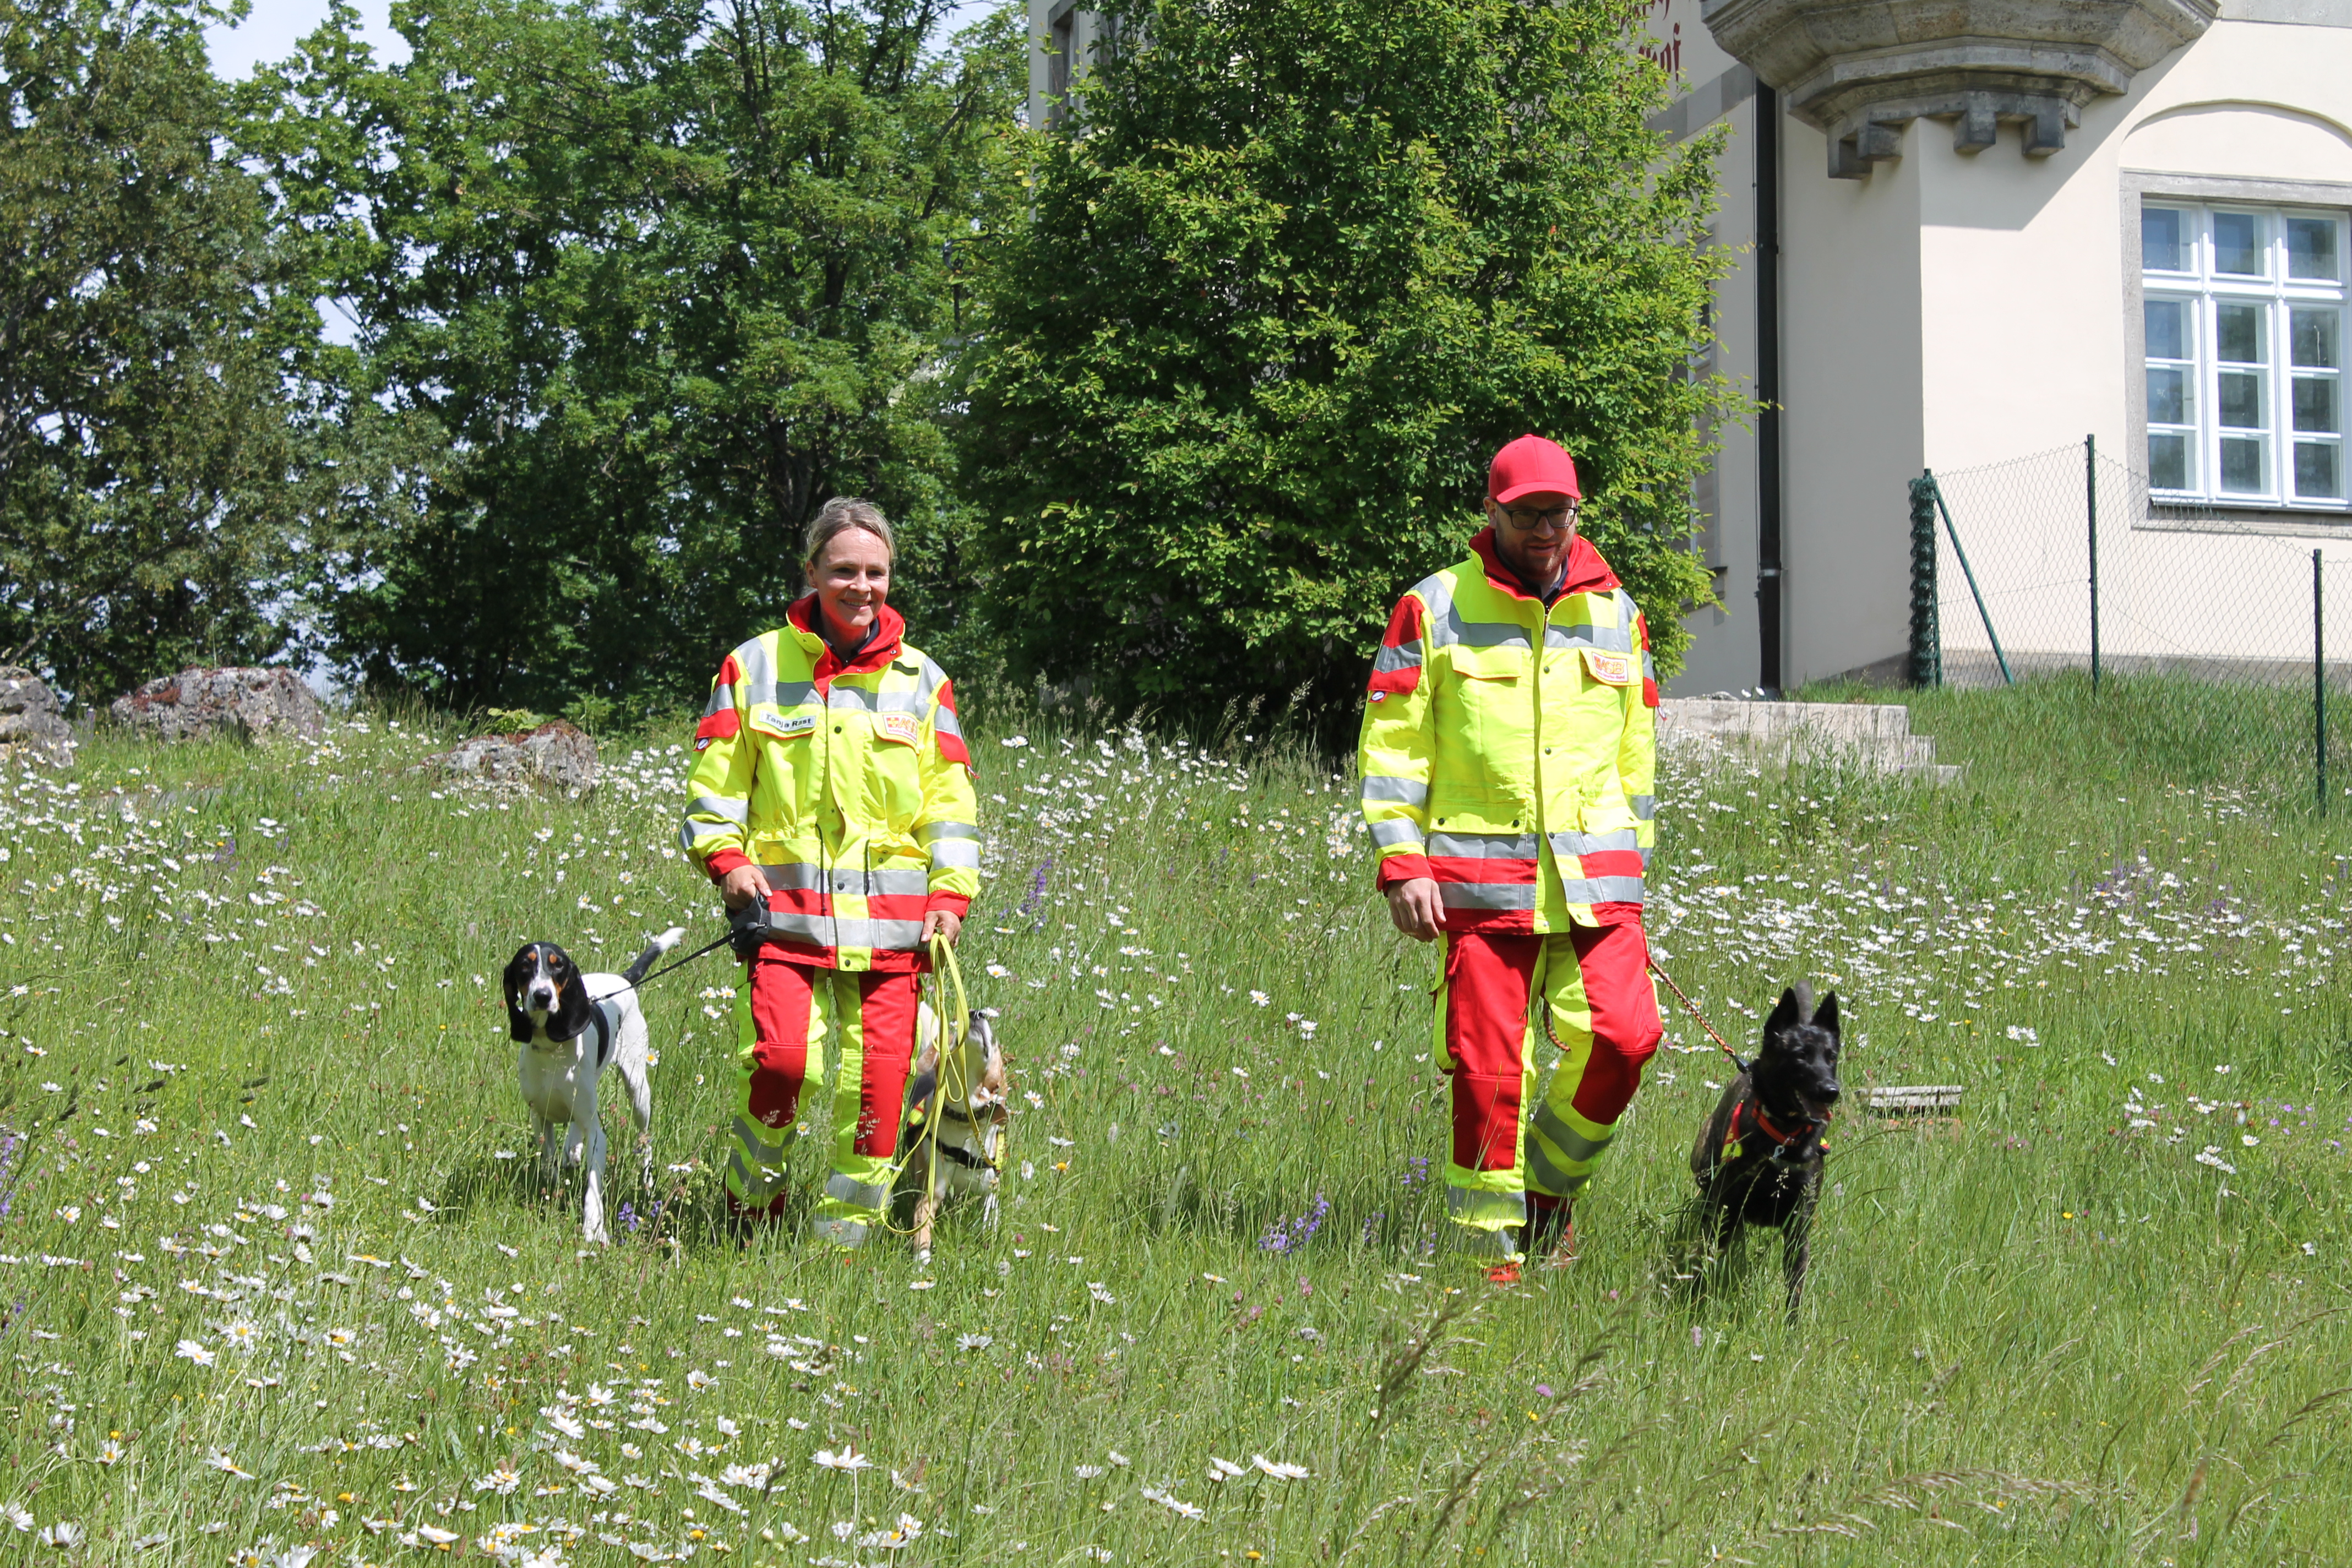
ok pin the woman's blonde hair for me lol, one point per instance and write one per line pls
(841, 514)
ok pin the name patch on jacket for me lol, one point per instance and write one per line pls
(1609, 668)
(786, 724)
(900, 727)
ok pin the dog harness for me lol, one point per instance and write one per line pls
(1747, 1118)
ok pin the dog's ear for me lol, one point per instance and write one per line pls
(571, 998)
(1786, 1017)
(1826, 1015)
(517, 973)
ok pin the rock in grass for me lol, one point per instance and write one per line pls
(209, 704)
(32, 727)
(555, 754)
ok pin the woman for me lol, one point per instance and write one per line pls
(832, 781)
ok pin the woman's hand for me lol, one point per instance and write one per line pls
(741, 886)
(1416, 909)
(940, 922)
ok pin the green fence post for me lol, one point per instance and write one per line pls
(1926, 635)
(2091, 510)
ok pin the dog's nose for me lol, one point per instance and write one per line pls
(1829, 1092)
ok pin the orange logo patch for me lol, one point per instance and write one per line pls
(900, 727)
(1609, 668)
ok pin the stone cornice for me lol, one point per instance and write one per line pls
(1861, 70)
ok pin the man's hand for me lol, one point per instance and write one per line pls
(1415, 906)
(742, 885)
(940, 922)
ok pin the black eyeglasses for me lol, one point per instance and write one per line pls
(1538, 522)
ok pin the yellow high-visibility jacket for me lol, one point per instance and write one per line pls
(848, 785)
(1521, 782)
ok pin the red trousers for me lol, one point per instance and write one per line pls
(1591, 993)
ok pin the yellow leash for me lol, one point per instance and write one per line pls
(953, 1027)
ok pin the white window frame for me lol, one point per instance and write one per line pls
(2276, 505)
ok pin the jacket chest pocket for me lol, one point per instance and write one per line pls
(1495, 688)
(894, 771)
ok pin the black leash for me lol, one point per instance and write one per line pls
(747, 928)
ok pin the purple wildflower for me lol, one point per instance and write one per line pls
(1288, 1235)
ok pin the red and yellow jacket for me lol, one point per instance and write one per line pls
(1508, 752)
(849, 785)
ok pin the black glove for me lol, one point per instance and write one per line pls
(752, 929)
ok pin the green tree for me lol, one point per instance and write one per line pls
(1297, 268)
(666, 276)
(168, 448)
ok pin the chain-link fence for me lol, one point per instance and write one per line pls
(2232, 626)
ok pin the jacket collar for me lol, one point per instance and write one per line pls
(889, 625)
(1587, 571)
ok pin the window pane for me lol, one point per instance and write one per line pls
(2241, 466)
(2315, 470)
(2312, 335)
(2163, 240)
(2238, 245)
(2167, 395)
(2241, 401)
(2238, 334)
(2310, 246)
(2168, 462)
(2168, 328)
(2314, 404)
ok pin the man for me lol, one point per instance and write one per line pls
(1506, 759)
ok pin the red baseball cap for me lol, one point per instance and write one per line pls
(1531, 463)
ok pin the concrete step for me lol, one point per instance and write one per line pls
(1876, 736)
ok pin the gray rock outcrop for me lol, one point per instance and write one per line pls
(204, 704)
(32, 727)
(555, 754)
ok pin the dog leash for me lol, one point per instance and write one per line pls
(745, 928)
(953, 1028)
(1688, 1007)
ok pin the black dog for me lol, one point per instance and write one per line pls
(1759, 1160)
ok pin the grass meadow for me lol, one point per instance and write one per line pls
(275, 1283)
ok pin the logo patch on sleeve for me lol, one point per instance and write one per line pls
(1609, 668)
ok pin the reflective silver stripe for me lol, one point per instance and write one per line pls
(1602, 889)
(691, 833)
(1567, 844)
(750, 1134)
(1645, 806)
(722, 697)
(1649, 666)
(1380, 786)
(845, 696)
(719, 806)
(1486, 895)
(1549, 1179)
(955, 852)
(757, 683)
(931, 832)
(754, 1188)
(1407, 656)
(1394, 831)
(1476, 1203)
(1483, 846)
(1488, 634)
(839, 930)
(850, 1189)
(1607, 639)
(802, 876)
(1645, 862)
(1436, 596)
(795, 694)
(944, 723)
(846, 1234)
(1573, 1145)
(929, 682)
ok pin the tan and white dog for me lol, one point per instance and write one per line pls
(952, 1135)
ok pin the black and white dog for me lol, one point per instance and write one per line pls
(571, 1026)
(1758, 1160)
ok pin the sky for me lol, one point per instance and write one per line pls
(275, 25)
